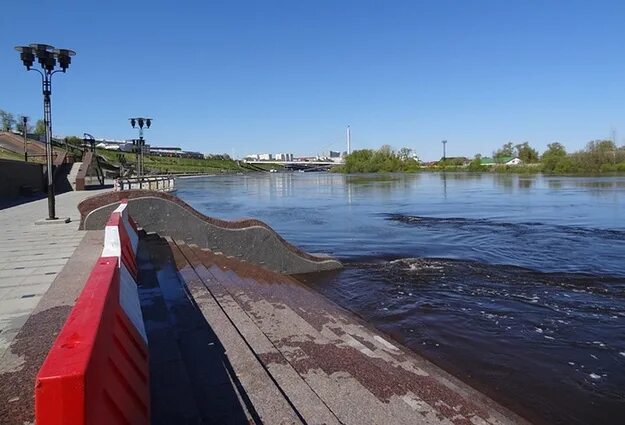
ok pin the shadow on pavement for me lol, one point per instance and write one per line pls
(190, 377)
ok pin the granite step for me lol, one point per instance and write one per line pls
(358, 373)
(190, 381)
(302, 397)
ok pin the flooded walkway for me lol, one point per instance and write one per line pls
(257, 346)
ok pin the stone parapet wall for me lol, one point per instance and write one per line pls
(249, 240)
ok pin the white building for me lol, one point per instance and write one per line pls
(283, 157)
(514, 161)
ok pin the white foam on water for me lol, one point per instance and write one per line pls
(539, 330)
(594, 376)
(622, 353)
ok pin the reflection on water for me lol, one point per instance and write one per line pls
(515, 283)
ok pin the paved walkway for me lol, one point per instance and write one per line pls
(32, 255)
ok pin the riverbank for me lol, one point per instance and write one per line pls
(531, 169)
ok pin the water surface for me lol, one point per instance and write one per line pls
(516, 284)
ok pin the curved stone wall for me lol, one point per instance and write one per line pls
(249, 240)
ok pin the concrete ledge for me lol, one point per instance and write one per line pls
(249, 240)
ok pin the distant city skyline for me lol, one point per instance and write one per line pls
(243, 77)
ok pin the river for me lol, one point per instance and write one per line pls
(513, 283)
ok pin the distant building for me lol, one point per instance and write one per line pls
(500, 160)
(331, 154)
(259, 157)
(283, 157)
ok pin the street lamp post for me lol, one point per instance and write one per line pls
(48, 57)
(140, 143)
(88, 143)
(25, 131)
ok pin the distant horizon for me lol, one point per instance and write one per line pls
(449, 153)
(245, 77)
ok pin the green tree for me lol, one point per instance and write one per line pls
(381, 160)
(8, 120)
(526, 153)
(506, 150)
(40, 128)
(405, 153)
(554, 149)
(599, 152)
(476, 164)
(554, 159)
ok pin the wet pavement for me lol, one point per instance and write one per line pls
(328, 365)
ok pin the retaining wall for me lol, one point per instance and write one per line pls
(17, 175)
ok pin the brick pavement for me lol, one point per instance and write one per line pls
(32, 255)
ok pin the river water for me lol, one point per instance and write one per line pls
(515, 284)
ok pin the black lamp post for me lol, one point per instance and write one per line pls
(140, 143)
(48, 58)
(25, 133)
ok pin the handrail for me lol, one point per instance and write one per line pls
(156, 183)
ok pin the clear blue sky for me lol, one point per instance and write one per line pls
(288, 76)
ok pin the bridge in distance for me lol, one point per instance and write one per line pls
(299, 165)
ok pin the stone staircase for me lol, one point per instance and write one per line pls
(190, 382)
(231, 342)
(71, 177)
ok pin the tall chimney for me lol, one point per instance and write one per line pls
(349, 140)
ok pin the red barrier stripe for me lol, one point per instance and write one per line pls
(97, 369)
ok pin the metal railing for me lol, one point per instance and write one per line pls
(156, 183)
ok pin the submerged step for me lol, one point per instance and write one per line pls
(360, 375)
(190, 382)
(300, 395)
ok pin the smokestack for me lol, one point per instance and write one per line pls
(349, 140)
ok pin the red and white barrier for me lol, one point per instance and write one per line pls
(97, 371)
(121, 240)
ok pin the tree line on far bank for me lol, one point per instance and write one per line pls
(9, 122)
(599, 156)
(384, 159)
